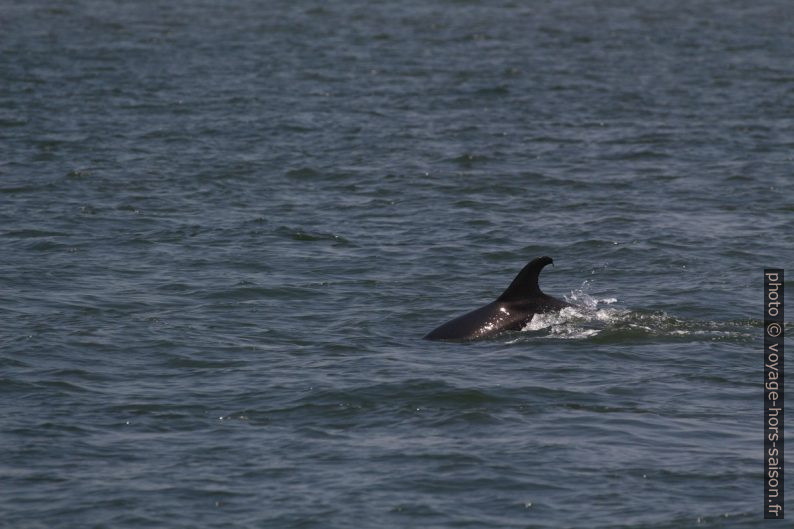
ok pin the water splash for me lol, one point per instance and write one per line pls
(594, 319)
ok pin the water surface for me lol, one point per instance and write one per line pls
(224, 229)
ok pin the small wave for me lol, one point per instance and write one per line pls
(303, 172)
(498, 90)
(469, 159)
(32, 234)
(309, 236)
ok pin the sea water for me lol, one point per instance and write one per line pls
(225, 227)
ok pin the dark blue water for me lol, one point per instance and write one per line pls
(225, 227)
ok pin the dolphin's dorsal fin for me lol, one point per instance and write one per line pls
(525, 285)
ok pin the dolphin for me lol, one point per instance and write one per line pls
(510, 312)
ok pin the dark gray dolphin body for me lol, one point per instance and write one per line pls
(510, 312)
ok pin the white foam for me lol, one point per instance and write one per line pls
(578, 321)
(590, 316)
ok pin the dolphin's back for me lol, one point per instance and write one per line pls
(510, 312)
(471, 325)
